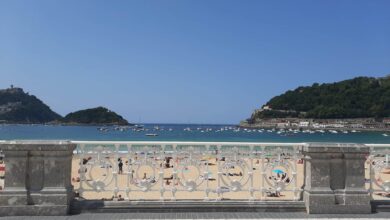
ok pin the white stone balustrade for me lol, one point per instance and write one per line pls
(251, 170)
(38, 173)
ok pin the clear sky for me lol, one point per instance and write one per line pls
(186, 61)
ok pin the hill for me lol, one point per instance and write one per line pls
(16, 106)
(95, 116)
(361, 97)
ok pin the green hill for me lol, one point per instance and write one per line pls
(16, 106)
(360, 97)
(94, 116)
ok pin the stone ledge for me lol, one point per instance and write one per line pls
(335, 148)
(380, 205)
(98, 206)
(34, 210)
(37, 145)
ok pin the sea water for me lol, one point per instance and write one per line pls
(182, 132)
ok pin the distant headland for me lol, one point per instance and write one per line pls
(94, 116)
(19, 107)
(361, 103)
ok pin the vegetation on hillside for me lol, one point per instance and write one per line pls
(99, 115)
(360, 97)
(16, 106)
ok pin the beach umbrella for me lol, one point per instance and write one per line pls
(278, 171)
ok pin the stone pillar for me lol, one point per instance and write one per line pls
(37, 178)
(335, 181)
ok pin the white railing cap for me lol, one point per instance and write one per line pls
(190, 143)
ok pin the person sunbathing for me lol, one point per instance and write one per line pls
(76, 179)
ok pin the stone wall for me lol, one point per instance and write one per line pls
(37, 180)
(334, 180)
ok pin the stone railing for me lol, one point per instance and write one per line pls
(335, 178)
(37, 178)
(325, 177)
(183, 170)
(378, 167)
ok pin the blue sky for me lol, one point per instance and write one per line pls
(186, 61)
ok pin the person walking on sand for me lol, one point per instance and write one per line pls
(120, 166)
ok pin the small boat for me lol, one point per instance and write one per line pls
(103, 129)
(139, 126)
(151, 135)
(386, 135)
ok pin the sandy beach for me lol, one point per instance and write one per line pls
(145, 173)
(190, 173)
(2, 173)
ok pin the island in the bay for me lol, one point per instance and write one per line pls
(94, 116)
(19, 107)
(361, 103)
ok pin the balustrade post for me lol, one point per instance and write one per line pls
(37, 178)
(14, 192)
(335, 180)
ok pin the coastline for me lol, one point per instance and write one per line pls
(339, 124)
(254, 126)
(69, 124)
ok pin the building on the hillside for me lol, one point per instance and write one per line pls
(304, 124)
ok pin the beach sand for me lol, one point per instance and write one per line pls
(123, 182)
(2, 173)
(382, 178)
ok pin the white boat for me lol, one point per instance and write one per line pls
(139, 126)
(103, 129)
(151, 135)
(386, 135)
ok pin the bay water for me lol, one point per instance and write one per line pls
(182, 132)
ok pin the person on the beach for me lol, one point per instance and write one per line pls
(120, 165)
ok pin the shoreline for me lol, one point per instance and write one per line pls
(69, 124)
(316, 129)
(326, 124)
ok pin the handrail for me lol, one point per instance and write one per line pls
(377, 145)
(191, 143)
